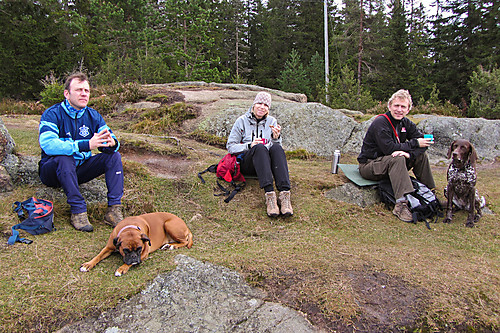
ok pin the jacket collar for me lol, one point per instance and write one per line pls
(71, 111)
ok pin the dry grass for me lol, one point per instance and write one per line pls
(321, 260)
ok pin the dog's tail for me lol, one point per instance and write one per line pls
(190, 240)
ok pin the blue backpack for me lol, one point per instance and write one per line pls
(37, 218)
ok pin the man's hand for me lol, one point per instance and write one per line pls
(425, 142)
(101, 139)
(400, 153)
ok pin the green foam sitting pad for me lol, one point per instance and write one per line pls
(351, 171)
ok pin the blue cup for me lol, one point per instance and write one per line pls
(429, 136)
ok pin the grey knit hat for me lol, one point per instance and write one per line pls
(263, 98)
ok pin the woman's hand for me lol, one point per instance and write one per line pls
(257, 141)
(276, 131)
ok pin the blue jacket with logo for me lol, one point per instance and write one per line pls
(67, 132)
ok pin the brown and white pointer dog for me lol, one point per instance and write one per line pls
(137, 236)
(461, 189)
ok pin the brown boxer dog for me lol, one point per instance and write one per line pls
(137, 236)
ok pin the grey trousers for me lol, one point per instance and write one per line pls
(396, 169)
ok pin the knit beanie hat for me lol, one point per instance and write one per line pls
(263, 98)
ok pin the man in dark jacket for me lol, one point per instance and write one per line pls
(392, 146)
(68, 133)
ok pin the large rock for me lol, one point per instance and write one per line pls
(7, 144)
(353, 194)
(483, 134)
(23, 169)
(6, 184)
(196, 297)
(321, 130)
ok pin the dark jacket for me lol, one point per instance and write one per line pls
(66, 132)
(380, 139)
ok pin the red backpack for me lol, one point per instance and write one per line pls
(228, 169)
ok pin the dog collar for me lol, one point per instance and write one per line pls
(127, 227)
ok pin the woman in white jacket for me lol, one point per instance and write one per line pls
(256, 140)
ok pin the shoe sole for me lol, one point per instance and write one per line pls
(87, 228)
(403, 219)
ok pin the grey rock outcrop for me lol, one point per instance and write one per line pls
(6, 184)
(24, 170)
(311, 126)
(482, 133)
(196, 297)
(353, 194)
(7, 144)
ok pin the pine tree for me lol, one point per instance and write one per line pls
(316, 75)
(275, 38)
(35, 39)
(466, 36)
(344, 93)
(294, 77)
(485, 93)
(232, 37)
(189, 41)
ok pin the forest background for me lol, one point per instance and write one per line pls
(446, 54)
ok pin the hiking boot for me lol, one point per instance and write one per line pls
(272, 204)
(113, 215)
(286, 203)
(402, 211)
(81, 222)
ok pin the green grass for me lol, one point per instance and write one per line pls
(308, 256)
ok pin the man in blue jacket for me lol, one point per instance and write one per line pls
(68, 133)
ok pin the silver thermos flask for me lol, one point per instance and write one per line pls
(335, 161)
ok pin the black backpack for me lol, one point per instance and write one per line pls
(423, 203)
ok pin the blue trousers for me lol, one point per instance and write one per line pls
(267, 165)
(61, 171)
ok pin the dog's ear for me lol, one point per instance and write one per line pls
(451, 149)
(472, 155)
(145, 238)
(116, 243)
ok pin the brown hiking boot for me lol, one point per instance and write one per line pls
(272, 204)
(402, 211)
(113, 215)
(286, 203)
(81, 222)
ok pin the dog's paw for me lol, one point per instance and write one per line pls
(117, 273)
(85, 267)
(469, 224)
(167, 247)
